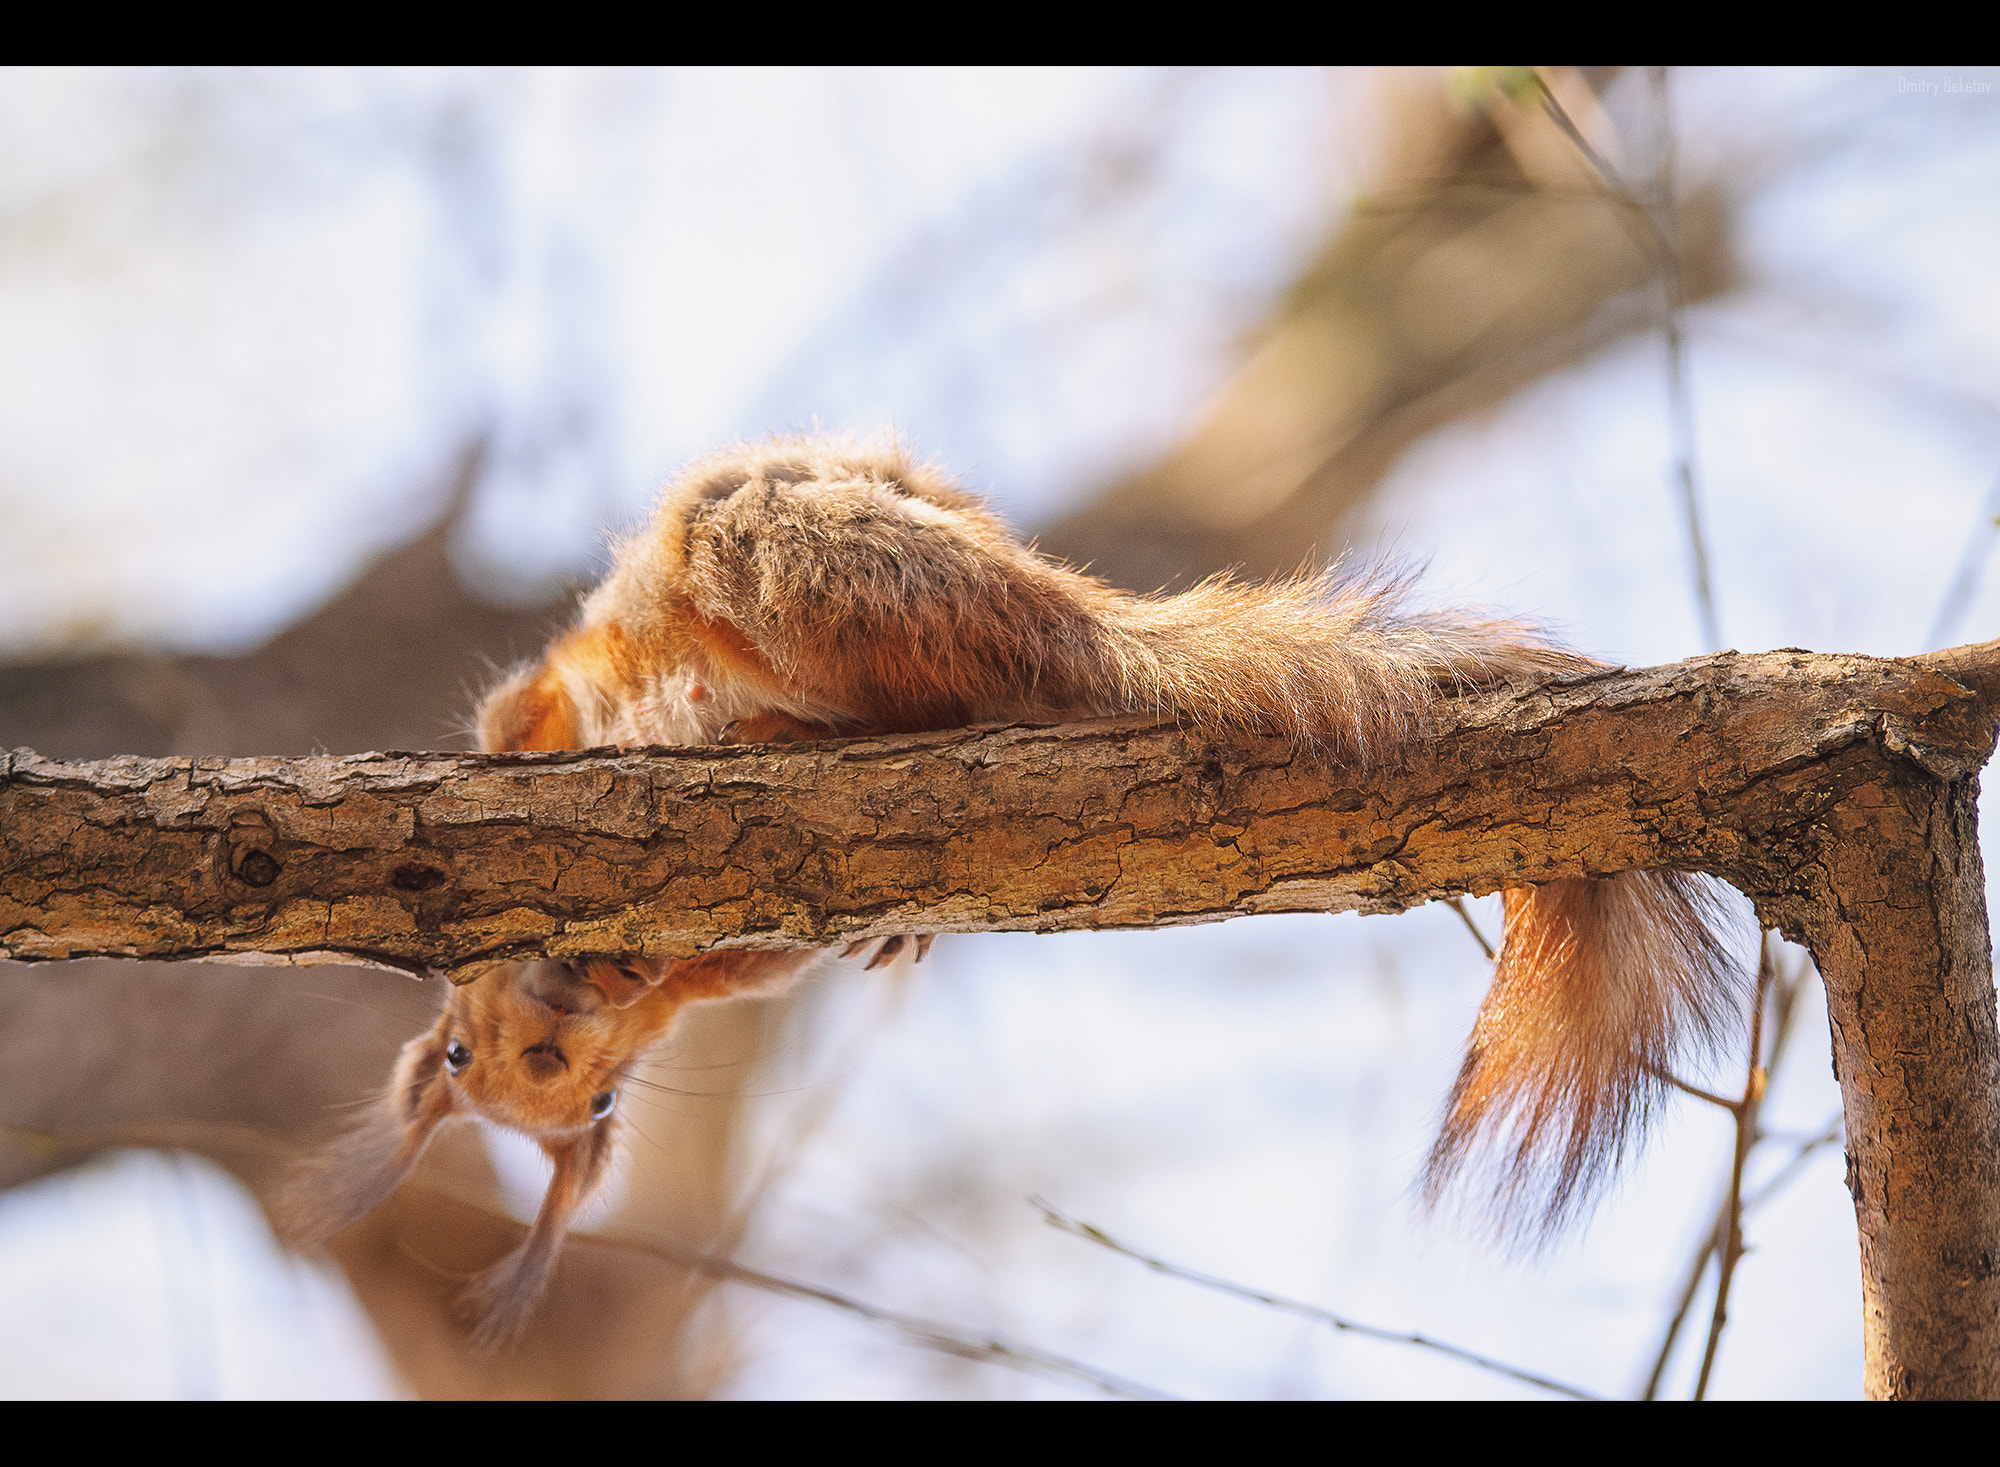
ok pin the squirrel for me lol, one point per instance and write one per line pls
(810, 587)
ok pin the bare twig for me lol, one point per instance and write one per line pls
(1784, 987)
(1559, 115)
(1680, 403)
(1698, 1266)
(1663, 245)
(1771, 980)
(1093, 1234)
(1971, 564)
(1696, 1269)
(1829, 1136)
(1731, 1237)
(931, 1334)
(1457, 904)
(1723, 1101)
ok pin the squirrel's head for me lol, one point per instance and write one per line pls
(543, 1047)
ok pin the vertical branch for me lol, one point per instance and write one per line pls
(1696, 1271)
(1901, 941)
(1680, 405)
(1785, 988)
(1729, 1230)
(1661, 241)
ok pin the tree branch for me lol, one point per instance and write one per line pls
(431, 862)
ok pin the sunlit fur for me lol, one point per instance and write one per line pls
(808, 587)
(1600, 989)
(544, 1040)
(850, 589)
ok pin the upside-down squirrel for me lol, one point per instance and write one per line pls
(807, 588)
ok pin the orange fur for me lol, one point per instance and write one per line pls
(1600, 988)
(808, 587)
(542, 1048)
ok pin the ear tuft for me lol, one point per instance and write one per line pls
(623, 981)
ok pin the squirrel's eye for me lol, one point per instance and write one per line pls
(456, 1057)
(601, 1103)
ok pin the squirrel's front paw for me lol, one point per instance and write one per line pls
(772, 728)
(497, 1305)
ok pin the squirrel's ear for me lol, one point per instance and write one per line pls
(357, 1173)
(417, 1087)
(531, 710)
(624, 981)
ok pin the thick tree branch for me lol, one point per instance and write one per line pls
(433, 862)
(429, 862)
(1838, 792)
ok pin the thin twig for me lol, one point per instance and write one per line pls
(1457, 904)
(1732, 1106)
(1680, 403)
(1661, 243)
(1796, 1163)
(1635, 214)
(1971, 562)
(1696, 1270)
(1559, 115)
(1786, 990)
(1093, 1234)
(1783, 1177)
(931, 1334)
(1731, 1238)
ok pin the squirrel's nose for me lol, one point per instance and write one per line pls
(544, 1061)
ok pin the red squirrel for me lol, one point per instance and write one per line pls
(808, 588)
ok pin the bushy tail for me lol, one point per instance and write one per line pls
(1602, 987)
(1332, 662)
(871, 589)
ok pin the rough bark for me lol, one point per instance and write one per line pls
(1838, 792)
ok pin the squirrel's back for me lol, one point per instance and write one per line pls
(859, 590)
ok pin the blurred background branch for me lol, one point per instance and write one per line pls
(1484, 253)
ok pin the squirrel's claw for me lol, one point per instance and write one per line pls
(890, 947)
